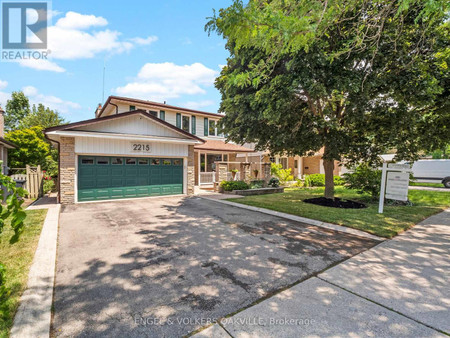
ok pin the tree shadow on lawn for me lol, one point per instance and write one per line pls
(168, 267)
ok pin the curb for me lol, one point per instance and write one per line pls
(299, 219)
(33, 317)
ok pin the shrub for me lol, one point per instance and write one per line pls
(364, 179)
(257, 184)
(338, 180)
(48, 186)
(284, 175)
(274, 182)
(315, 180)
(234, 185)
(318, 180)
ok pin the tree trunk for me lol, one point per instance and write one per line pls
(328, 165)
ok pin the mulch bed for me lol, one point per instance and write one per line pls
(335, 203)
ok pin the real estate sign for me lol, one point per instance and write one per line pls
(397, 185)
(394, 182)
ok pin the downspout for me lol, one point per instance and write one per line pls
(117, 107)
(59, 166)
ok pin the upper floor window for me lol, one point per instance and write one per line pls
(154, 113)
(212, 128)
(162, 115)
(185, 123)
(132, 108)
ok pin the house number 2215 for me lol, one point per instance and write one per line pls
(141, 147)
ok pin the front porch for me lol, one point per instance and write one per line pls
(207, 155)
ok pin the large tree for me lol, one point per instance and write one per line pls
(32, 148)
(43, 117)
(16, 109)
(356, 77)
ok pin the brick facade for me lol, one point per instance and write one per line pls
(67, 170)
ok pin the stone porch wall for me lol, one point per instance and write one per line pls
(67, 170)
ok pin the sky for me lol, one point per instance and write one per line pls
(152, 50)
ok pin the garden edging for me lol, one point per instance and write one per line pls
(300, 219)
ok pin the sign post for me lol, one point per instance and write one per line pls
(383, 188)
(394, 182)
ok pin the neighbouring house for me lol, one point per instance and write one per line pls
(299, 165)
(137, 148)
(4, 144)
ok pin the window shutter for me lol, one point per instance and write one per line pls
(194, 125)
(162, 115)
(205, 126)
(178, 120)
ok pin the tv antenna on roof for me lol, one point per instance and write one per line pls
(104, 71)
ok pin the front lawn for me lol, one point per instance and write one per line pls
(394, 220)
(17, 259)
(432, 185)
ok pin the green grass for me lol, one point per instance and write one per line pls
(394, 220)
(17, 259)
(433, 185)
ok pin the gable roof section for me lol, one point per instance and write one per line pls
(71, 126)
(155, 104)
(7, 144)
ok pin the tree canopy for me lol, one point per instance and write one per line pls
(356, 77)
(42, 116)
(32, 148)
(16, 109)
(25, 128)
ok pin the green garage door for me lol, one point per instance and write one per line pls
(103, 178)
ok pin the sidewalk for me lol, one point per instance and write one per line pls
(397, 288)
(33, 316)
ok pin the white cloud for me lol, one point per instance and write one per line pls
(73, 20)
(71, 44)
(53, 102)
(42, 65)
(145, 41)
(30, 90)
(3, 84)
(198, 104)
(161, 81)
(4, 96)
(35, 97)
(71, 39)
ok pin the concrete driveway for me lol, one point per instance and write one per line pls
(168, 266)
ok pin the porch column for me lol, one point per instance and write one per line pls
(266, 175)
(245, 171)
(221, 171)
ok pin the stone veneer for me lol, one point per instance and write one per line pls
(67, 170)
(190, 171)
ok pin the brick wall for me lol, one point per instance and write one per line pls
(311, 165)
(190, 171)
(67, 170)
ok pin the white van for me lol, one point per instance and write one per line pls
(432, 171)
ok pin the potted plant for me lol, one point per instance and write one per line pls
(233, 173)
(256, 172)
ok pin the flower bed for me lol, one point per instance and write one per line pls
(260, 191)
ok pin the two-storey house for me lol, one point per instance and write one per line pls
(137, 148)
